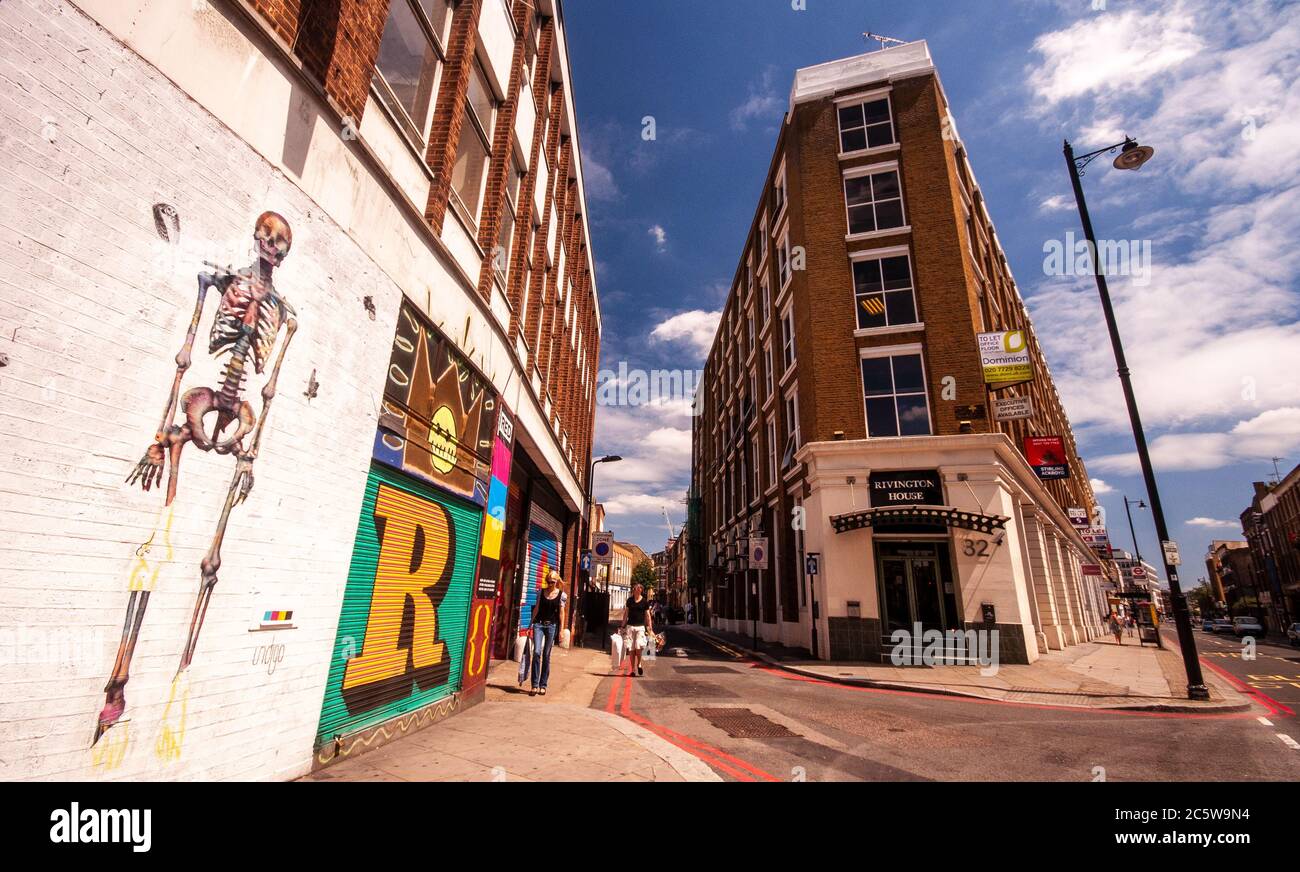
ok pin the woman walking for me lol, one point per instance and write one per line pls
(636, 625)
(548, 617)
(1116, 629)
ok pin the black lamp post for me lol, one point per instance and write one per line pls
(1137, 552)
(584, 540)
(1131, 156)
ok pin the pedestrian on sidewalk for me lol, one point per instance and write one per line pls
(548, 617)
(1116, 630)
(636, 627)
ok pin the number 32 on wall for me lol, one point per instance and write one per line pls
(975, 547)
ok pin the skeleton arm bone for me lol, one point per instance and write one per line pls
(245, 471)
(149, 470)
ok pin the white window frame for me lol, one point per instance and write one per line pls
(789, 355)
(793, 437)
(874, 169)
(879, 254)
(773, 471)
(861, 100)
(418, 129)
(896, 351)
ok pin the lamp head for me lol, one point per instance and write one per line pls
(1132, 155)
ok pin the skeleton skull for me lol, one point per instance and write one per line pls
(273, 237)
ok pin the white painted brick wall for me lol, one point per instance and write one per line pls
(93, 309)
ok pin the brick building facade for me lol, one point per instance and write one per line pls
(847, 357)
(383, 204)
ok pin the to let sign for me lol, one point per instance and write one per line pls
(1046, 454)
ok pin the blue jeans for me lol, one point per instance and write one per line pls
(543, 641)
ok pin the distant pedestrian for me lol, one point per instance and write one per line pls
(1116, 629)
(548, 617)
(636, 627)
(689, 610)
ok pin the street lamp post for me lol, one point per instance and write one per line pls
(583, 540)
(1137, 552)
(1131, 157)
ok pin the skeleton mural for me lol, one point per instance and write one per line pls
(247, 324)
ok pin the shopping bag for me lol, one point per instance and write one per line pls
(525, 657)
(615, 652)
(566, 638)
(650, 646)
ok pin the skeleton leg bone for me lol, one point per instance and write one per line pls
(240, 486)
(115, 690)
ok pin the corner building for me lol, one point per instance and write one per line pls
(342, 572)
(846, 388)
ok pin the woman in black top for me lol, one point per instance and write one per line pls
(548, 617)
(636, 621)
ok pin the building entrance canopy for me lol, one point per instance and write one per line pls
(894, 516)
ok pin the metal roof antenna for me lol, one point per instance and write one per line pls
(883, 40)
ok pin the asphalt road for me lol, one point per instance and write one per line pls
(832, 732)
(1273, 675)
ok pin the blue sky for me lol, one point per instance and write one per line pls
(1213, 335)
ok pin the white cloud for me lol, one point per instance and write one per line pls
(1100, 487)
(695, 328)
(762, 103)
(1212, 522)
(660, 237)
(1272, 433)
(598, 179)
(1056, 203)
(1109, 51)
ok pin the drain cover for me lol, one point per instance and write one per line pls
(705, 670)
(741, 723)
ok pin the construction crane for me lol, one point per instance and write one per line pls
(668, 522)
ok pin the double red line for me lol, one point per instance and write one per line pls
(620, 703)
(1274, 707)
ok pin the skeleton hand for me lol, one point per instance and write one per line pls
(149, 471)
(243, 477)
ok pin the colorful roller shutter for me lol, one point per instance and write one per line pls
(543, 556)
(489, 567)
(401, 636)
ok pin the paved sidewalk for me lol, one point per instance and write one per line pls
(1099, 674)
(512, 736)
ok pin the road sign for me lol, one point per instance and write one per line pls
(758, 553)
(602, 549)
(586, 561)
(811, 562)
(1171, 552)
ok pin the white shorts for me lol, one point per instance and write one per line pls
(635, 638)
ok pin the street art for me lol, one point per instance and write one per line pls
(250, 318)
(489, 567)
(438, 414)
(401, 636)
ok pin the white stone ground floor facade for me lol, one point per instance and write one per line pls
(949, 532)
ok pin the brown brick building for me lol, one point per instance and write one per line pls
(847, 376)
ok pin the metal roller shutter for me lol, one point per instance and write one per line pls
(543, 556)
(401, 636)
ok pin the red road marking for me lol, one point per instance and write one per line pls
(1259, 696)
(707, 753)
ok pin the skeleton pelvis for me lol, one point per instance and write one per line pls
(201, 402)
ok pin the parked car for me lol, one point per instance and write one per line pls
(1245, 625)
(1293, 633)
(1218, 625)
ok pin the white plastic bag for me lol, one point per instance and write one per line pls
(649, 646)
(615, 652)
(520, 642)
(566, 638)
